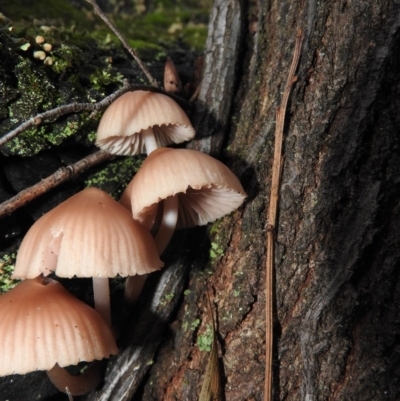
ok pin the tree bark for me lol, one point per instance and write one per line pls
(336, 283)
(337, 258)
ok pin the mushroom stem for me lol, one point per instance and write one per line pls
(149, 140)
(134, 284)
(168, 223)
(76, 385)
(101, 292)
(133, 288)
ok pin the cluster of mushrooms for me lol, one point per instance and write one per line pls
(174, 188)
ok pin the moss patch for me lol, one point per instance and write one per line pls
(7, 262)
(115, 176)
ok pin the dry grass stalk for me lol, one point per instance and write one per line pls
(272, 212)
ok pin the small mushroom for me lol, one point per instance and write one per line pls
(39, 39)
(193, 188)
(88, 235)
(44, 327)
(203, 188)
(47, 47)
(139, 120)
(39, 54)
(172, 82)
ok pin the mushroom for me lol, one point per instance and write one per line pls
(88, 235)
(172, 82)
(141, 119)
(44, 327)
(196, 189)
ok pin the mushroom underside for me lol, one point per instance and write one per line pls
(129, 143)
(196, 206)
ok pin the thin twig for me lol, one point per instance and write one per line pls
(67, 109)
(132, 52)
(61, 175)
(272, 212)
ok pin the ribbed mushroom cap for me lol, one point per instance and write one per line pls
(120, 127)
(88, 235)
(43, 324)
(206, 188)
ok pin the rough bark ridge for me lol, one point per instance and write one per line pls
(337, 262)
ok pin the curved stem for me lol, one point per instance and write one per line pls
(149, 140)
(133, 288)
(101, 292)
(76, 385)
(134, 284)
(168, 223)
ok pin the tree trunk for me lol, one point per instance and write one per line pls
(337, 319)
(336, 282)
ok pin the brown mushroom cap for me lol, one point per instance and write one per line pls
(120, 127)
(88, 235)
(43, 324)
(172, 82)
(206, 188)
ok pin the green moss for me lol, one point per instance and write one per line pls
(167, 24)
(115, 176)
(195, 35)
(167, 299)
(218, 240)
(7, 262)
(65, 57)
(205, 340)
(101, 78)
(44, 136)
(72, 77)
(216, 227)
(34, 88)
(215, 251)
(81, 61)
(55, 11)
(143, 45)
(191, 326)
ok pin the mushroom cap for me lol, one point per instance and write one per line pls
(88, 235)
(206, 188)
(43, 324)
(120, 127)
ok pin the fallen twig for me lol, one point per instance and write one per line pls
(272, 212)
(61, 175)
(132, 52)
(67, 109)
